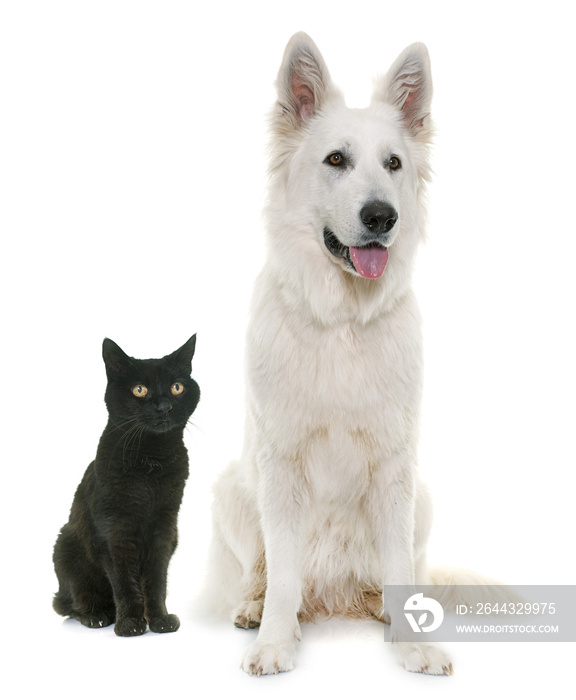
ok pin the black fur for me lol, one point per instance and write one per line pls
(112, 556)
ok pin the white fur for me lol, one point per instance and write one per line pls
(325, 506)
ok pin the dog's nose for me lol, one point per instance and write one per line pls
(378, 217)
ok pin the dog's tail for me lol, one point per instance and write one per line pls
(455, 586)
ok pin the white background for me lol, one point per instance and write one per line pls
(132, 165)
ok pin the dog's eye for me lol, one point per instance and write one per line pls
(335, 159)
(394, 163)
(139, 390)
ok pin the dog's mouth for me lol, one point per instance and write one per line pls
(368, 261)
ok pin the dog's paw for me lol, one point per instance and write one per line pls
(266, 658)
(248, 614)
(420, 657)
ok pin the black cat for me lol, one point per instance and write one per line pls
(111, 558)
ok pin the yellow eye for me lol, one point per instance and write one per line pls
(177, 388)
(394, 163)
(139, 390)
(335, 159)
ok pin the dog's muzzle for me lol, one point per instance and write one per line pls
(370, 257)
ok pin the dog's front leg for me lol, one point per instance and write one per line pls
(281, 508)
(391, 506)
(390, 503)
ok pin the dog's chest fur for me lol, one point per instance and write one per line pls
(337, 400)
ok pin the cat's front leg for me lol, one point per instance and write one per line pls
(124, 574)
(154, 581)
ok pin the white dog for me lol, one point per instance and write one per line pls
(325, 508)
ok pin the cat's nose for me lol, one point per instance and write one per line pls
(164, 406)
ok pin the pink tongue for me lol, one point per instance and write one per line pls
(369, 261)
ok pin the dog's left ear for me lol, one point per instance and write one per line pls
(408, 86)
(303, 82)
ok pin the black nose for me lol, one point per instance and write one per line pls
(378, 217)
(164, 406)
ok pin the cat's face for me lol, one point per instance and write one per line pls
(154, 395)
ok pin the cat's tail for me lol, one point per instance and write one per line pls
(62, 604)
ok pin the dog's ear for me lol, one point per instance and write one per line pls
(408, 86)
(303, 82)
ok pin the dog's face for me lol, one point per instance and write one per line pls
(353, 174)
(358, 168)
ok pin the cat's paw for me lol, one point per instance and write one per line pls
(130, 626)
(268, 658)
(248, 614)
(97, 619)
(420, 657)
(168, 623)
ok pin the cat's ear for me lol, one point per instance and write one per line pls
(183, 356)
(115, 359)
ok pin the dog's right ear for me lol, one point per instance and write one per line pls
(408, 86)
(303, 82)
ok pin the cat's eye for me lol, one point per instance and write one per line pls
(177, 388)
(394, 163)
(140, 390)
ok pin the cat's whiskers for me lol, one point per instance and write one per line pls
(126, 437)
(195, 425)
(132, 440)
